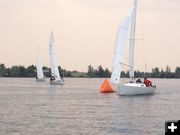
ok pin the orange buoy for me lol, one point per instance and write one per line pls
(106, 87)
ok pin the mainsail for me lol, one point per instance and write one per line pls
(52, 56)
(40, 74)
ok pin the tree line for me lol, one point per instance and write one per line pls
(30, 71)
(156, 73)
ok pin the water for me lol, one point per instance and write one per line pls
(77, 108)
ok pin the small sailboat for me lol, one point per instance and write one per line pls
(132, 88)
(40, 74)
(55, 76)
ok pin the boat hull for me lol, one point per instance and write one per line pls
(41, 80)
(57, 82)
(130, 90)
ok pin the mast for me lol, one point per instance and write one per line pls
(132, 40)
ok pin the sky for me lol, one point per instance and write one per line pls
(85, 32)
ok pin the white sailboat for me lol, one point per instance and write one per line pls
(132, 88)
(40, 75)
(55, 77)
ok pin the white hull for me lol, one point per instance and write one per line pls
(131, 89)
(41, 80)
(57, 82)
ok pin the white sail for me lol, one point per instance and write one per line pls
(132, 40)
(121, 38)
(53, 61)
(40, 74)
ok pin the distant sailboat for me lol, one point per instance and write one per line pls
(55, 77)
(40, 75)
(131, 88)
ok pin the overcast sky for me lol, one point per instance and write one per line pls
(85, 32)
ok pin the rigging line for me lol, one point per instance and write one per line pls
(126, 65)
(144, 67)
(125, 61)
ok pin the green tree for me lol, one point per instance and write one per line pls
(107, 73)
(123, 74)
(14, 71)
(8, 72)
(45, 68)
(30, 71)
(22, 71)
(2, 70)
(162, 74)
(155, 72)
(167, 73)
(137, 74)
(100, 71)
(91, 71)
(177, 72)
(67, 74)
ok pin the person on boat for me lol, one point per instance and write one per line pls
(52, 78)
(132, 81)
(138, 80)
(62, 75)
(147, 82)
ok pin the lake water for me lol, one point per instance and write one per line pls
(77, 108)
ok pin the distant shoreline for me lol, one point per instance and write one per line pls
(30, 71)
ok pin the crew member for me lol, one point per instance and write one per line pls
(147, 82)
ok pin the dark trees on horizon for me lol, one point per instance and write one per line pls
(30, 71)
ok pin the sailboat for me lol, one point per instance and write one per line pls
(40, 75)
(128, 25)
(55, 76)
